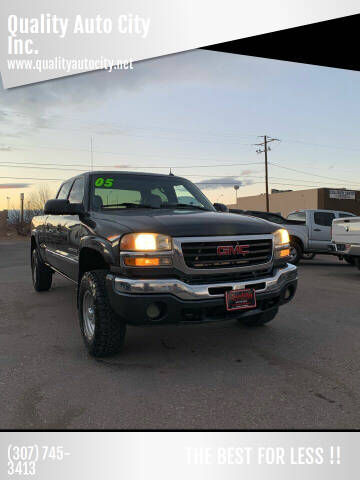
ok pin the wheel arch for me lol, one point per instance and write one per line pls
(91, 259)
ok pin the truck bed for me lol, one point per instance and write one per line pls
(346, 231)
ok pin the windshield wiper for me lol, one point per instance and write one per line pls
(126, 205)
(184, 206)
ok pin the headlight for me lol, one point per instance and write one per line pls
(281, 243)
(281, 237)
(145, 242)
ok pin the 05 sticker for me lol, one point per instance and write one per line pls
(104, 182)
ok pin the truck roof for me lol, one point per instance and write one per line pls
(117, 172)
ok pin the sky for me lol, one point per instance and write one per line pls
(199, 113)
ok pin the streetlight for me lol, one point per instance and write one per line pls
(236, 188)
(8, 202)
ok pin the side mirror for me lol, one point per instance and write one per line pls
(59, 206)
(220, 207)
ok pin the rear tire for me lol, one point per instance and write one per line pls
(41, 273)
(259, 319)
(308, 256)
(349, 259)
(296, 252)
(102, 330)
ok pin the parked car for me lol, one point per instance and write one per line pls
(346, 238)
(309, 230)
(139, 256)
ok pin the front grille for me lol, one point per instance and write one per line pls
(205, 254)
(227, 277)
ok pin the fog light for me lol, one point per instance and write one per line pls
(147, 261)
(153, 311)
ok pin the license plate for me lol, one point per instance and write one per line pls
(240, 299)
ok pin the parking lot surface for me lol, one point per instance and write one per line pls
(301, 371)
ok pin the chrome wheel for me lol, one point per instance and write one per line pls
(88, 311)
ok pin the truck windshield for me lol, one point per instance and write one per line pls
(126, 191)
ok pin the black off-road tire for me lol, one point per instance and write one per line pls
(109, 329)
(41, 273)
(297, 251)
(259, 319)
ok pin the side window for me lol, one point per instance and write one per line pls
(324, 218)
(297, 216)
(77, 191)
(64, 191)
(346, 215)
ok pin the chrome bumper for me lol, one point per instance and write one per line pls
(185, 291)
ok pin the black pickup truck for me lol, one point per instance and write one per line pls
(150, 249)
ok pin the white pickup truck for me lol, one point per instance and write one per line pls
(346, 238)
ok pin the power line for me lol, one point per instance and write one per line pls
(36, 178)
(235, 177)
(30, 165)
(156, 128)
(230, 184)
(322, 145)
(307, 173)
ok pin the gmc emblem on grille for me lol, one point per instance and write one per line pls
(233, 250)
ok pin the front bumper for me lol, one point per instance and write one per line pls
(181, 302)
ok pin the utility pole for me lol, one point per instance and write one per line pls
(264, 144)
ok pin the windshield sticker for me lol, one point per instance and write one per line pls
(104, 182)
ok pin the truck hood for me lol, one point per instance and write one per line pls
(183, 223)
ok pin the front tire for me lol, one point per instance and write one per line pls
(259, 319)
(41, 273)
(102, 330)
(296, 252)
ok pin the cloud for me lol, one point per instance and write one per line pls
(41, 101)
(224, 182)
(14, 185)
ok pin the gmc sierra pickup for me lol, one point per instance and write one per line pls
(150, 249)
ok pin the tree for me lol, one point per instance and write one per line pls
(38, 198)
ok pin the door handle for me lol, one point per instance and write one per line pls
(317, 229)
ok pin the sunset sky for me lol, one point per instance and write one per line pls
(199, 113)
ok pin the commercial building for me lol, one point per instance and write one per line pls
(317, 198)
